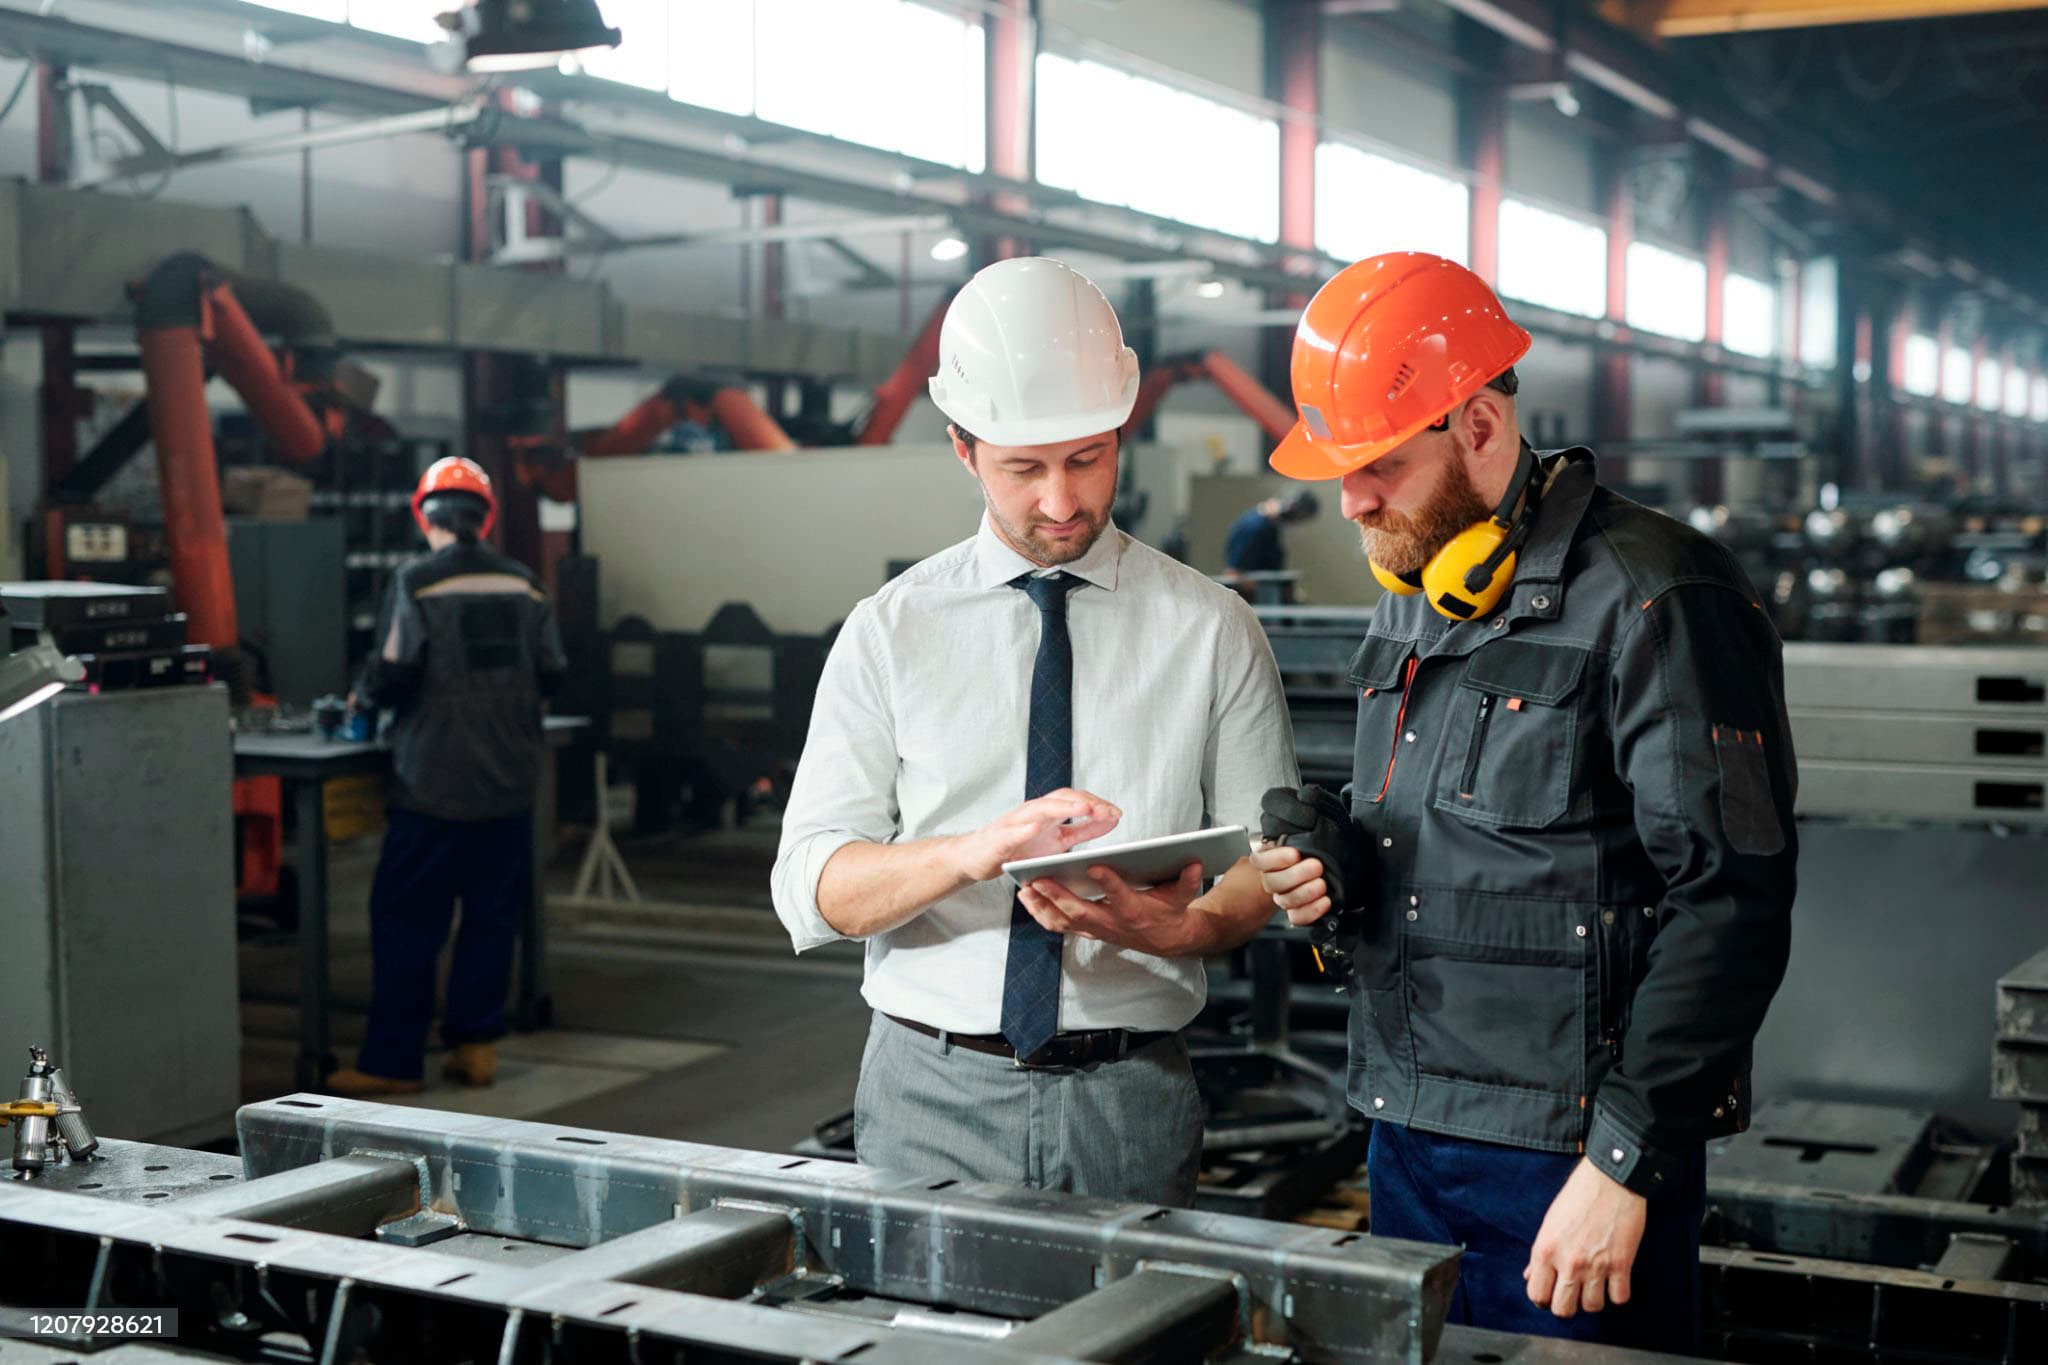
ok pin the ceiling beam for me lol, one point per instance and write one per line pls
(1698, 18)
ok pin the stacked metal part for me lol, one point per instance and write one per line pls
(2019, 1071)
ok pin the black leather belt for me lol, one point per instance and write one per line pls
(1083, 1048)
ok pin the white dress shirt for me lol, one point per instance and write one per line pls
(919, 731)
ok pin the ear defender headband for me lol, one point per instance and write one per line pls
(1467, 578)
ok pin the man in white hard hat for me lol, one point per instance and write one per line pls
(1039, 684)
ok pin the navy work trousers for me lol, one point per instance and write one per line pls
(427, 865)
(1490, 1200)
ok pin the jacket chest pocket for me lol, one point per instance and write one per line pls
(1381, 670)
(1513, 739)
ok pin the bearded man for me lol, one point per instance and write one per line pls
(1566, 868)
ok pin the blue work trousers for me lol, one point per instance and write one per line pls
(427, 865)
(1490, 1200)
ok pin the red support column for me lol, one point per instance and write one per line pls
(1292, 32)
(1710, 380)
(1612, 367)
(1010, 95)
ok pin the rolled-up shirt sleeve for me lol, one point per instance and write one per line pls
(1251, 741)
(845, 786)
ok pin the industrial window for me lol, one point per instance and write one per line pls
(1367, 204)
(1667, 292)
(1749, 316)
(1122, 139)
(1955, 375)
(1552, 259)
(334, 11)
(1923, 366)
(643, 54)
(883, 73)
(2015, 392)
(1990, 384)
(1818, 342)
(711, 56)
(404, 19)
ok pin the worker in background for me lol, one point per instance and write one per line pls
(1566, 866)
(469, 649)
(1041, 683)
(1254, 544)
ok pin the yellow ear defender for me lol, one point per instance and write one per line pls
(1467, 578)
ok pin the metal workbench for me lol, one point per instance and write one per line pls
(305, 763)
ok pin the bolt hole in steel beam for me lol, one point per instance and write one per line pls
(2012, 690)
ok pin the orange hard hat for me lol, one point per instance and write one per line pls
(1384, 349)
(455, 475)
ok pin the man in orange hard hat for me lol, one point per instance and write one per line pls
(468, 648)
(1564, 874)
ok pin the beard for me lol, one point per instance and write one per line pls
(1043, 549)
(1404, 542)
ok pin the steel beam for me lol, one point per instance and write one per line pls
(349, 1196)
(1699, 18)
(721, 1251)
(1161, 1316)
(985, 1248)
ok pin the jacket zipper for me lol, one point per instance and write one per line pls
(1478, 743)
(1400, 725)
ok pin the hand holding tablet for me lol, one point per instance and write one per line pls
(1143, 862)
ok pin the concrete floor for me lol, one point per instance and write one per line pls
(695, 1023)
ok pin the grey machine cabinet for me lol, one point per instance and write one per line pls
(117, 901)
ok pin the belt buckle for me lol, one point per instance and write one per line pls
(1022, 1063)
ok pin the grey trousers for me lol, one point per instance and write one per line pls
(1130, 1129)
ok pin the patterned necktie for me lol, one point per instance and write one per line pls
(1031, 973)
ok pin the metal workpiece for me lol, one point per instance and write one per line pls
(1920, 733)
(984, 1248)
(1154, 1315)
(351, 1299)
(722, 1251)
(1897, 1230)
(350, 1196)
(1770, 1307)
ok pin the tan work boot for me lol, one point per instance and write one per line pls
(472, 1063)
(361, 1085)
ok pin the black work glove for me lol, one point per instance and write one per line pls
(1320, 825)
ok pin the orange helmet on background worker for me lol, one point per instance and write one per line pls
(1384, 350)
(455, 474)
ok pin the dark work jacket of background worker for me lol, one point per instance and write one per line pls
(469, 647)
(1580, 808)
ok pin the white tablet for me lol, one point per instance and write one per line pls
(1144, 862)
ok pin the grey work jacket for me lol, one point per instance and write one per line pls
(468, 647)
(1581, 811)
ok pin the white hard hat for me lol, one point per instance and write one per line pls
(1031, 353)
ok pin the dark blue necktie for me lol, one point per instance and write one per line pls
(1031, 973)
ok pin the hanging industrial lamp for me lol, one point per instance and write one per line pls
(522, 35)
